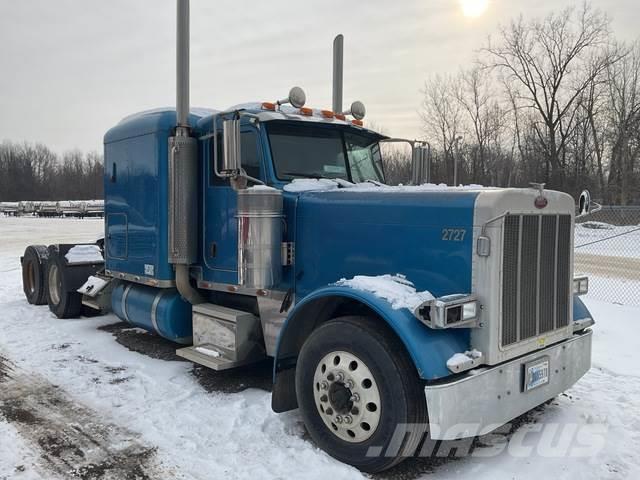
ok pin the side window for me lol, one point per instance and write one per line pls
(249, 152)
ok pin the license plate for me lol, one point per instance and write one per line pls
(536, 373)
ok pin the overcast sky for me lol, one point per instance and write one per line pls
(71, 69)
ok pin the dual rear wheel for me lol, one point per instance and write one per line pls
(46, 279)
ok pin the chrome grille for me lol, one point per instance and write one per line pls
(535, 275)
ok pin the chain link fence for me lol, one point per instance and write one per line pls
(607, 249)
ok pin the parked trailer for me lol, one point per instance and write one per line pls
(10, 208)
(228, 232)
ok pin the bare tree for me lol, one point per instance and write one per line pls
(549, 64)
(623, 81)
(484, 114)
(441, 115)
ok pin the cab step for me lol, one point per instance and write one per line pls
(216, 362)
(224, 338)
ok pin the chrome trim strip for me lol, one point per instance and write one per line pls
(239, 289)
(140, 279)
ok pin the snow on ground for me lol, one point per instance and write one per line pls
(612, 240)
(159, 406)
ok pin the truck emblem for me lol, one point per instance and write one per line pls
(540, 201)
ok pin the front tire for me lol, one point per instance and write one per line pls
(355, 386)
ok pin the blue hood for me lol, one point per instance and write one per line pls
(341, 233)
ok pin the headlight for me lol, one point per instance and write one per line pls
(451, 311)
(580, 285)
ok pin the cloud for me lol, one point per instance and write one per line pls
(71, 69)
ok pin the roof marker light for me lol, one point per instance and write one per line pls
(269, 106)
(340, 116)
(306, 111)
(357, 122)
(327, 113)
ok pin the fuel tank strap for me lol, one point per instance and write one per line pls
(124, 302)
(154, 308)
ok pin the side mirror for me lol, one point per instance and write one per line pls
(231, 161)
(421, 165)
(584, 203)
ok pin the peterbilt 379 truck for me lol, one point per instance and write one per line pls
(235, 235)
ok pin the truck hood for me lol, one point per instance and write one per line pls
(340, 233)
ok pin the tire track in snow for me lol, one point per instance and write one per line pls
(72, 440)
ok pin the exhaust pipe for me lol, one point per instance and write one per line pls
(182, 65)
(183, 171)
(338, 57)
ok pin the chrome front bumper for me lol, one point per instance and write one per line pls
(488, 398)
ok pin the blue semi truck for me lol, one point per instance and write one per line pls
(267, 231)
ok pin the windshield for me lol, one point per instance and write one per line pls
(309, 151)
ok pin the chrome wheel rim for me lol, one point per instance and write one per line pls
(55, 284)
(347, 396)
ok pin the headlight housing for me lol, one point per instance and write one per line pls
(580, 285)
(451, 311)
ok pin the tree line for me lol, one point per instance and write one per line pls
(34, 172)
(553, 99)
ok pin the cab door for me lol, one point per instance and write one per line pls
(220, 242)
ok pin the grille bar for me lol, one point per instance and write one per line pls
(535, 275)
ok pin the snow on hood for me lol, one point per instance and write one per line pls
(395, 289)
(311, 185)
(325, 184)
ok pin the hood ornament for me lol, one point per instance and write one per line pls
(540, 201)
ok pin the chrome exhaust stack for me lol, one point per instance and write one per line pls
(338, 61)
(183, 170)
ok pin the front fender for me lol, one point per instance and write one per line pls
(580, 310)
(429, 349)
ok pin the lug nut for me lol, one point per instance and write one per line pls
(339, 419)
(324, 398)
(340, 377)
(348, 419)
(324, 385)
(354, 398)
(349, 384)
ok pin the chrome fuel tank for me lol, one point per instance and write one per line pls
(260, 221)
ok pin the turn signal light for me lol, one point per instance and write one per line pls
(269, 106)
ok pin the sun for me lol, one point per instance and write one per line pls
(473, 8)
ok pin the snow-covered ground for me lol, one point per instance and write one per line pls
(605, 239)
(70, 391)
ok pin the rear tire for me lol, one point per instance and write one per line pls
(63, 301)
(34, 267)
(356, 385)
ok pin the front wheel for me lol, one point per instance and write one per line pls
(359, 394)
